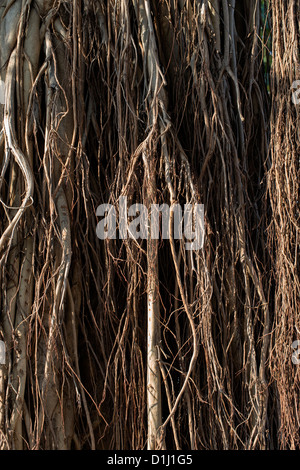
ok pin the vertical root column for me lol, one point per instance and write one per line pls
(153, 372)
(153, 331)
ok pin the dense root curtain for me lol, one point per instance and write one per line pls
(134, 344)
(283, 182)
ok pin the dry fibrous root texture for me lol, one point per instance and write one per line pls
(283, 182)
(123, 343)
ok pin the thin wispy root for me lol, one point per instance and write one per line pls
(135, 344)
